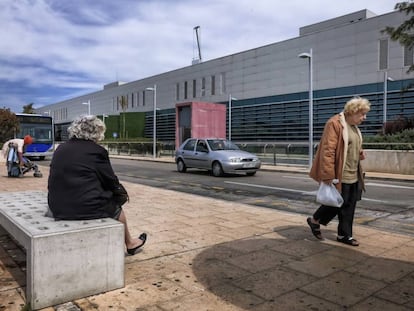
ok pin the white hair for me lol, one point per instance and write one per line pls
(87, 127)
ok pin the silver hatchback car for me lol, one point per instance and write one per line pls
(220, 156)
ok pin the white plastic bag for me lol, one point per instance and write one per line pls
(329, 195)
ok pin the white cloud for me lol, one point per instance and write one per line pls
(48, 46)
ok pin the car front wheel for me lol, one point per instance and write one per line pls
(217, 169)
(181, 166)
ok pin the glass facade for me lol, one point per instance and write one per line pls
(285, 117)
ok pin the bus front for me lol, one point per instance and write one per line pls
(41, 129)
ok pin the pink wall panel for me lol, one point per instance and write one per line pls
(207, 120)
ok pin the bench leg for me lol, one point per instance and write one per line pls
(69, 266)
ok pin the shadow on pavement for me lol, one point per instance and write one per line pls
(291, 271)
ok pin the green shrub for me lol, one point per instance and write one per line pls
(403, 140)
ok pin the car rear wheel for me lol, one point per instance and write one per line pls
(181, 166)
(217, 169)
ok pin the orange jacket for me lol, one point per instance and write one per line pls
(329, 162)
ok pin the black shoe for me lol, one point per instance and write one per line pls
(143, 238)
(348, 241)
(315, 228)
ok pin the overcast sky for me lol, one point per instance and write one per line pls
(52, 50)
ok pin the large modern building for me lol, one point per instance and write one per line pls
(346, 56)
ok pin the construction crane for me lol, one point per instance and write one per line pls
(197, 35)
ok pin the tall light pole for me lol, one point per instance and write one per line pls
(309, 57)
(89, 106)
(230, 100)
(154, 123)
(386, 79)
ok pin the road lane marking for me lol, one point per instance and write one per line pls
(218, 188)
(296, 177)
(311, 193)
(388, 185)
(264, 187)
(374, 200)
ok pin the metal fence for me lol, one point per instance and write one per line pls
(295, 153)
(269, 153)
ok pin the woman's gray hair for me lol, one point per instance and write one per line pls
(87, 127)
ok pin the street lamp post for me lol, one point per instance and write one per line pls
(230, 108)
(386, 79)
(154, 123)
(309, 57)
(89, 106)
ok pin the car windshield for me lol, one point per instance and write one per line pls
(221, 144)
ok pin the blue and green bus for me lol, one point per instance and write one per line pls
(40, 127)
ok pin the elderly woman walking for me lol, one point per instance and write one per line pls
(82, 183)
(338, 157)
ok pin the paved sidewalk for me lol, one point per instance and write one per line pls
(207, 254)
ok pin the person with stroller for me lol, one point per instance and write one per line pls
(20, 145)
(82, 184)
(18, 165)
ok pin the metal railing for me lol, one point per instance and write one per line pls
(269, 153)
(274, 153)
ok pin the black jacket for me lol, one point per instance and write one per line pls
(81, 181)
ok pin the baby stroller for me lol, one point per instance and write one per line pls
(13, 167)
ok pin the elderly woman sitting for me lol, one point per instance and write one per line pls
(82, 182)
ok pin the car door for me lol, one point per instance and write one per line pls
(187, 152)
(201, 154)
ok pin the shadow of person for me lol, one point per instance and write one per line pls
(290, 270)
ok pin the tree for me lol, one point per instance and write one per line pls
(404, 33)
(124, 106)
(9, 125)
(28, 108)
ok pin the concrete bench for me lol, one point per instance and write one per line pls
(65, 260)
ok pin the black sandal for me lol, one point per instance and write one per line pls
(348, 241)
(315, 228)
(143, 238)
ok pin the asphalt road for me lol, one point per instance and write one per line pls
(386, 204)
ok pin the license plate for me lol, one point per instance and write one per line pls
(248, 165)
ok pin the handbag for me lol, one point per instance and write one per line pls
(120, 195)
(328, 195)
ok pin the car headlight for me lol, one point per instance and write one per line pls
(235, 160)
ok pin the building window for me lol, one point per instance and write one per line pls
(223, 83)
(143, 97)
(203, 87)
(408, 56)
(213, 85)
(177, 91)
(137, 98)
(383, 54)
(185, 89)
(194, 88)
(132, 100)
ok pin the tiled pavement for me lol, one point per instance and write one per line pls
(206, 254)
